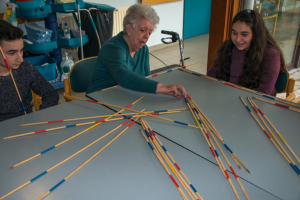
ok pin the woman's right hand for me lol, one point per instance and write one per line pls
(172, 90)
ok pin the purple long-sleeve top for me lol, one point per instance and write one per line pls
(271, 68)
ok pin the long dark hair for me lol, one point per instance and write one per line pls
(253, 65)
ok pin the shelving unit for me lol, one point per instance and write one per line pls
(40, 9)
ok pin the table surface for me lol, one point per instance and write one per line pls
(127, 169)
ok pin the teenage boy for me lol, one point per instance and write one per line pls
(25, 75)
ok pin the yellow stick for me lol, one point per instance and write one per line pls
(173, 169)
(70, 138)
(12, 77)
(113, 115)
(80, 124)
(164, 165)
(87, 161)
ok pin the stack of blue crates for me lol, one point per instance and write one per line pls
(37, 34)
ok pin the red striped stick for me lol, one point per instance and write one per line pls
(207, 121)
(157, 147)
(93, 117)
(277, 104)
(12, 77)
(92, 157)
(85, 123)
(70, 138)
(164, 165)
(161, 146)
(268, 135)
(205, 127)
(242, 88)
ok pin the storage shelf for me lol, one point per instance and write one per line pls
(71, 43)
(40, 48)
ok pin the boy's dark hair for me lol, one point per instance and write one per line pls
(9, 32)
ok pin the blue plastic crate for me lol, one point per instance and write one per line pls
(29, 4)
(45, 65)
(71, 43)
(34, 12)
(40, 48)
(66, 7)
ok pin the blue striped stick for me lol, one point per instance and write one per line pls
(180, 179)
(277, 133)
(208, 140)
(242, 88)
(164, 165)
(235, 158)
(282, 149)
(70, 138)
(85, 123)
(206, 127)
(12, 77)
(65, 160)
(277, 104)
(82, 165)
(166, 151)
(93, 117)
(269, 137)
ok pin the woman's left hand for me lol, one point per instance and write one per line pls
(172, 90)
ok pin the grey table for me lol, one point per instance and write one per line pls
(221, 104)
(127, 169)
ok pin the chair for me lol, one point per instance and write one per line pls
(79, 77)
(285, 84)
(297, 100)
(269, 9)
(35, 100)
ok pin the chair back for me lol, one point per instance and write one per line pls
(282, 81)
(81, 74)
(285, 84)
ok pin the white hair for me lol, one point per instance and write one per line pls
(138, 11)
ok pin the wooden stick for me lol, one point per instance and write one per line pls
(164, 165)
(85, 123)
(242, 88)
(207, 141)
(113, 115)
(214, 152)
(87, 161)
(171, 158)
(185, 124)
(277, 132)
(269, 136)
(153, 75)
(254, 106)
(173, 169)
(70, 138)
(235, 158)
(65, 160)
(205, 127)
(277, 104)
(12, 77)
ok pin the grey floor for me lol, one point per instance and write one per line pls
(196, 48)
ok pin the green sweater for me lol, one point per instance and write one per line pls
(115, 66)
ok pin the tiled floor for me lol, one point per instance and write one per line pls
(196, 48)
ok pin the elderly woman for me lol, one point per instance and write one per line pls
(124, 59)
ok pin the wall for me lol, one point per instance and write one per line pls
(196, 17)
(171, 16)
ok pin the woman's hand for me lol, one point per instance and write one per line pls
(172, 90)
